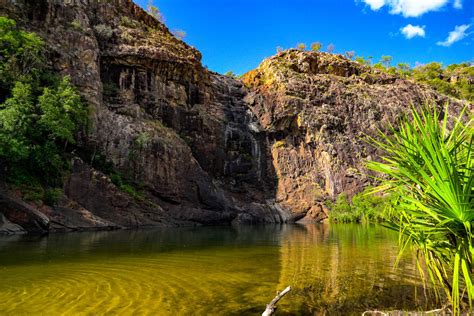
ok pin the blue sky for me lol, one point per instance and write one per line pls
(238, 34)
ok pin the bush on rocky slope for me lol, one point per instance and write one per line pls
(40, 114)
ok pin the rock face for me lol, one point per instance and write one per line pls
(203, 148)
(317, 109)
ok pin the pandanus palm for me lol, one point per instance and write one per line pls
(429, 163)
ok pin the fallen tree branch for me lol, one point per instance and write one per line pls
(271, 308)
(397, 312)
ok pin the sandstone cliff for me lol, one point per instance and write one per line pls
(317, 110)
(203, 148)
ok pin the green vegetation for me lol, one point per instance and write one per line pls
(76, 25)
(430, 167)
(129, 22)
(154, 11)
(40, 113)
(231, 74)
(301, 46)
(364, 208)
(456, 80)
(105, 32)
(126, 187)
(315, 47)
(386, 61)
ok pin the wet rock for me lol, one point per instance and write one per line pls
(20, 213)
(8, 228)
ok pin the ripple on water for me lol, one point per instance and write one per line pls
(226, 273)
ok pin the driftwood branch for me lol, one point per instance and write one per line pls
(272, 306)
(395, 313)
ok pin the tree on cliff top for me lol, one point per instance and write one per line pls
(154, 11)
(316, 46)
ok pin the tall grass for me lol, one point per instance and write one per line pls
(428, 161)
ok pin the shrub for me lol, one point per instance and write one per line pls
(154, 11)
(231, 74)
(386, 61)
(301, 46)
(365, 207)
(76, 25)
(130, 190)
(103, 31)
(431, 168)
(52, 196)
(128, 22)
(315, 47)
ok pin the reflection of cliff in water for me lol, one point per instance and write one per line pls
(335, 269)
(346, 268)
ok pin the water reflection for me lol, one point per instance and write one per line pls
(337, 269)
(346, 268)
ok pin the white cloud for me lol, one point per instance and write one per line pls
(414, 8)
(411, 31)
(411, 8)
(454, 36)
(375, 4)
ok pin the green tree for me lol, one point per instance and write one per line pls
(20, 54)
(62, 111)
(154, 11)
(40, 113)
(301, 46)
(231, 74)
(404, 70)
(386, 61)
(361, 60)
(316, 46)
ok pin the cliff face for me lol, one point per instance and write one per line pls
(317, 109)
(203, 147)
(182, 134)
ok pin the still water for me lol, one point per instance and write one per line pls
(333, 269)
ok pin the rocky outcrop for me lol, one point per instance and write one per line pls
(8, 228)
(203, 148)
(180, 133)
(317, 110)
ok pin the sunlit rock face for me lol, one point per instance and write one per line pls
(201, 147)
(317, 110)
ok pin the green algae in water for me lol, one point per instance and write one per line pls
(336, 269)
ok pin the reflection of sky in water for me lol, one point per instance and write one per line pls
(213, 270)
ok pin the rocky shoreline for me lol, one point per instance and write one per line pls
(203, 148)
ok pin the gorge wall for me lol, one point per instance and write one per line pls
(202, 147)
